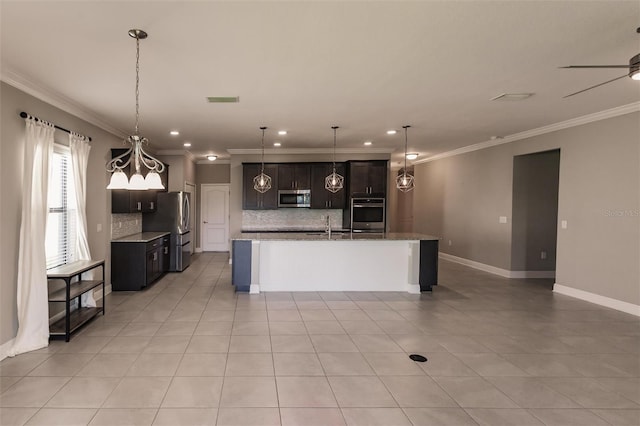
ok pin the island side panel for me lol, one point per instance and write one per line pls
(428, 264)
(369, 265)
(241, 265)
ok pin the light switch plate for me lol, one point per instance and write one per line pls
(502, 219)
(563, 224)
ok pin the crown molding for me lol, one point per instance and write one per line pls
(312, 151)
(181, 152)
(579, 121)
(57, 100)
(213, 163)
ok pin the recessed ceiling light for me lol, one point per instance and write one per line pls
(282, 132)
(187, 144)
(212, 157)
(392, 132)
(174, 133)
(368, 143)
(412, 156)
(277, 144)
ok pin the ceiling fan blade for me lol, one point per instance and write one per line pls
(597, 85)
(597, 66)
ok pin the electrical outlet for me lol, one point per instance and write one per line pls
(449, 242)
(543, 255)
(502, 219)
(563, 224)
(119, 224)
(99, 227)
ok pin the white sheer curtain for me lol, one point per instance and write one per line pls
(79, 149)
(32, 299)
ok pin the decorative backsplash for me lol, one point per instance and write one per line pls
(290, 219)
(123, 224)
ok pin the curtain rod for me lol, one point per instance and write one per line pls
(25, 115)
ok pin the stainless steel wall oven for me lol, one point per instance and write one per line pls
(367, 214)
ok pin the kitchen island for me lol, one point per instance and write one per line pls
(316, 261)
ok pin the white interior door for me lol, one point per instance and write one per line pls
(215, 217)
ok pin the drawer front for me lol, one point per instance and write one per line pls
(152, 245)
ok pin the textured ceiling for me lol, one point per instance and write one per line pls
(305, 66)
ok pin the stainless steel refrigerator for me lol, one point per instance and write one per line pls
(173, 215)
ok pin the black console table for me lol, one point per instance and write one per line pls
(72, 290)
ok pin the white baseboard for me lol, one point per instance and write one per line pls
(476, 265)
(254, 289)
(4, 348)
(608, 302)
(198, 250)
(533, 274)
(413, 288)
(497, 271)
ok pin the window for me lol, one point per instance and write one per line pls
(60, 240)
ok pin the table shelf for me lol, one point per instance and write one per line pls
(74, 290)
(77, 319)
(77, 289)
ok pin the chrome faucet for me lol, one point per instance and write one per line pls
(327, 226)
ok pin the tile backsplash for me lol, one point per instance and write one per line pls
(123, 224)
(290, 219)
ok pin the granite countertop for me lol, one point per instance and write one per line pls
(290, 230)
(141, 237)
(335, 236)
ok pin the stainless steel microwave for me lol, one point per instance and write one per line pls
(294, 198)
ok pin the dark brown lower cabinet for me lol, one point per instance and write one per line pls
(134, 265)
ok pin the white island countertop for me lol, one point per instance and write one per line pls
(335, 236)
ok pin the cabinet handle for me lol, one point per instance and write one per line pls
(139, 204)
(166, 250)
(155, 256)
(152, 205)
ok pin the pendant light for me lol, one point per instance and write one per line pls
(334, 182)
(136, 153)
(262, 182)
(405, 181)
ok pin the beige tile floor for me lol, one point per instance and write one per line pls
(191, 351)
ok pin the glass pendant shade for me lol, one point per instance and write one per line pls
(262, 182)
(153, 180)
(118, 180)
(137, 183)
(334, 182)
(405, 181)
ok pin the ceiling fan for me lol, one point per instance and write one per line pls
(633, 67)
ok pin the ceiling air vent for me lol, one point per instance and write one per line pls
(512, 97)
(223, 99)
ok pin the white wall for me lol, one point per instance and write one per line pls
(461, 197)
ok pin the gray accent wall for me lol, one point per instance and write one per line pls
(535, 211)
(12, 101)
(460, 198)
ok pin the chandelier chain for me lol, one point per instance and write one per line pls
(137, 83)
(263, 129)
